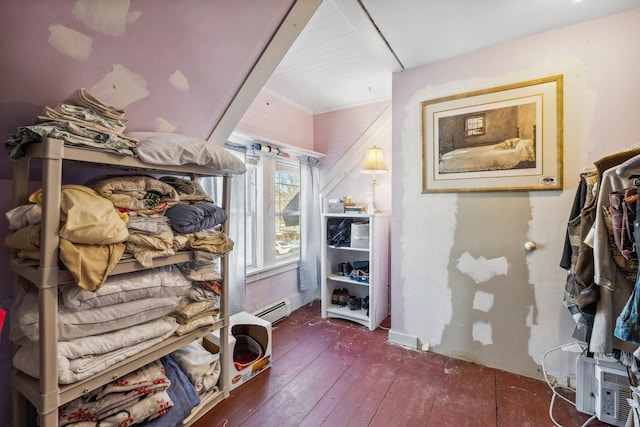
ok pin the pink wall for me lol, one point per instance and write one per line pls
(172, 66)
(336, 131)
(271, 119)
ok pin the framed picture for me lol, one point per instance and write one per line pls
(505, 138)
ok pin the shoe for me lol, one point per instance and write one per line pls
(335, 297)
(354, 303)
(341, 269)
(361, 265)
(365, 303)
(346, 268)
(344, 297)
(359, 276)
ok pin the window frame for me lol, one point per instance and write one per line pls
(471, 127)
(263, 262)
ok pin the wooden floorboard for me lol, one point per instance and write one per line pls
(331, 372)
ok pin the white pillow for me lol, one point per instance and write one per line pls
(161, 148)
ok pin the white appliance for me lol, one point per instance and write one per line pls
(602, 388)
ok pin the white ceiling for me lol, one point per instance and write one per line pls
(346, 54)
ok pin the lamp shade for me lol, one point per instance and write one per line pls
(374, 162)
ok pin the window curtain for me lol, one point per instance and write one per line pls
(310, 224)
(236, 232)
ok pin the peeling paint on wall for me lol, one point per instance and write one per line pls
(482, 269)
(70, 42)
(164, 126)
(120, 87)
(482, 333)
(105, 17)
(483, 301)
(179, 81)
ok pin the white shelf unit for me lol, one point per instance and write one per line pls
(45, 394)
(377, 253)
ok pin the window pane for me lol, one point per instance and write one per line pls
(287, 206)
(474, 125)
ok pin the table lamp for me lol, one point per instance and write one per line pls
(374, 164)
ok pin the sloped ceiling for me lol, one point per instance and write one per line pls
(172, 65)
(350, 48)
(193, 66)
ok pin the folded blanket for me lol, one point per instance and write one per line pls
(182, 394)
(25, 239)
(149, 407)
(88, 217)
(187, 310)
(201, 367)
(84, 98)
(80, 323)
(141, 194)
(206, 269)
(191, 218)
(123, 396)
(82, 357)
(153, 283)
(205, 319)
(210, 240)
(90, 265)
(212, 290)
(188, 190)
(145, 247)
(24, 215)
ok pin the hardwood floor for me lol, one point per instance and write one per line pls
(330, 372)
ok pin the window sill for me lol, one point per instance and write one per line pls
(255, 275)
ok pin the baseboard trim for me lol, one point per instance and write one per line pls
(404, 340)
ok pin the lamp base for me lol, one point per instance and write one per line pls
(371, 207)
(371, 201)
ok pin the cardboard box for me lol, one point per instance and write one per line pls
(250, 346)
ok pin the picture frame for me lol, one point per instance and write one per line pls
(505, 138)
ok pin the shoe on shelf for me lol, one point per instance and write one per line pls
(365, 303)
(341, 269)
(344, 297)
(346, 268)
(335, 297)
(353, 303)
(361, 265)
(359, 276)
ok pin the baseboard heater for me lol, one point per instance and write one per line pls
(275, 312)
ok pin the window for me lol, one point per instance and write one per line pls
(287, 226)
(272, 211)
(474, 125)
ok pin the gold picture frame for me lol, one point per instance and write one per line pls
(506, 138)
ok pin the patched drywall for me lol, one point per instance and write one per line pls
(109, 18)
(70, 42)
(463, 283)
(490, 233)
(172, 68)
(469, 288)
(121, 87)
